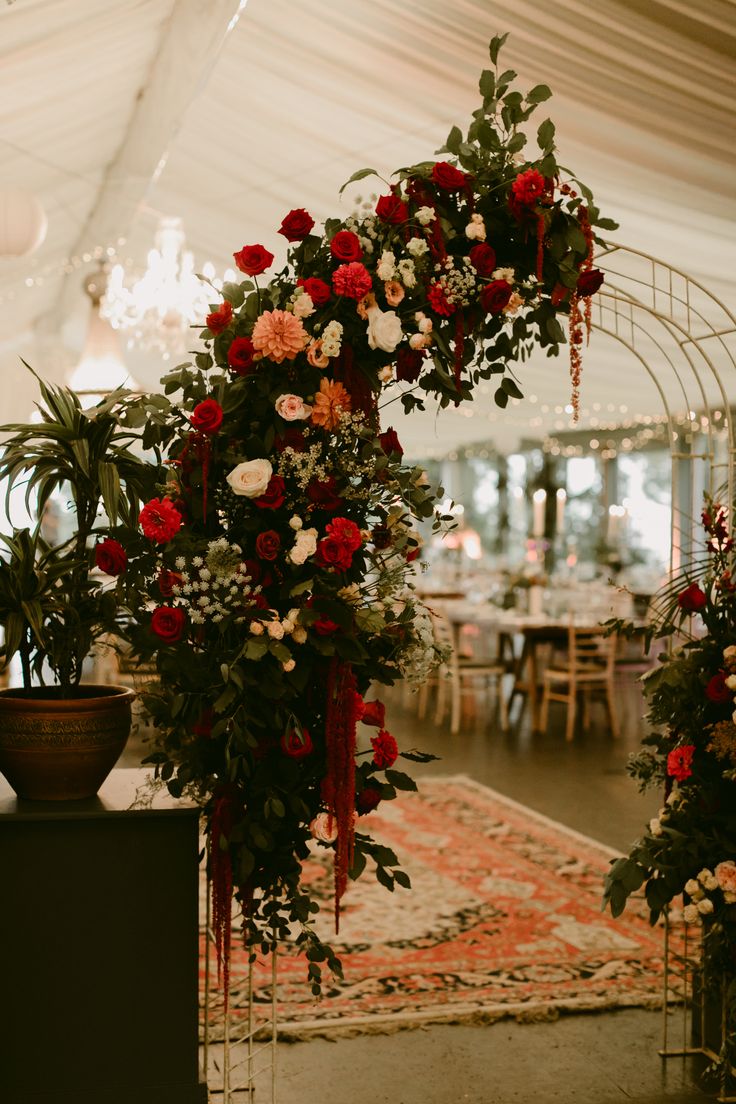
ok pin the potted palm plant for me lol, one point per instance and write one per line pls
(60, 736)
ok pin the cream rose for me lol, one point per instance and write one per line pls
(303, 306)
(725, 873)
(384, 330)
(292, 408)
(690, 914)
(250, 478)
(305, 546)
(275, 630)
(323, 828)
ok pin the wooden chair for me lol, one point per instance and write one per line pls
(456, 675)
(588, 668)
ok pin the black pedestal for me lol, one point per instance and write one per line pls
(99, 949)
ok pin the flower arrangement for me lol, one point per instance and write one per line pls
(276, 557)
(690, 846)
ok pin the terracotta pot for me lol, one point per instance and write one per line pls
(62, 749)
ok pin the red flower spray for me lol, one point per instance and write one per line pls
(221, 882)
(339, 784)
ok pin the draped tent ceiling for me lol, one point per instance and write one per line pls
(114, 113)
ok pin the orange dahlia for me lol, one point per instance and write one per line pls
(330, 402)
(278, 335)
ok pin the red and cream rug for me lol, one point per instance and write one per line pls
(503, 918)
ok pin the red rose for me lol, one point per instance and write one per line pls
(346, 532)
(717, 691)
(390, 208)
(207, 416)
(296, 742)
(447, 177)
(527, 188)
(273, 496)
(495, 296)
(589, 282)
(409, 364)
(168, 623)
(345, 246)
(292, 438)
(679, 762)
(240, 356)
(219, 319)
(111, 557)
(160, 520)
(390, 443)
(257, 573)
(322, 493)
(385, 750)
(374, 713)
(483, 258)
(268, 544)
(167, 580)
(439, 302)
(325, 627)
(367, 800)
(317, 290)
(297, 225)
(692, 599)
(352, 280)
(333, 554)
(253, 259)
(203, 725)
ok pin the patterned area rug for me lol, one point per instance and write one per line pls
(503, 918)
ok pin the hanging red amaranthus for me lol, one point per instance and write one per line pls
(339, 784)
(580, 318)
(362, 395)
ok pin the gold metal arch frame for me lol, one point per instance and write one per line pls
(684, 338)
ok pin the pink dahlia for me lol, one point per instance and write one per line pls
(278, 335)
(352, 280)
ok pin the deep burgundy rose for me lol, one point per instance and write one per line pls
(240, 356)
(168, 623)
(717, 691)
(322, 493)
(345, 246)
(220, 319)
(160, 520)
(167, 580)
(297, 743)
(409, 364)
(390, 208)
(204, 723)
(253, 259)
(367, 800)
(589, 282)
(297, 225)
(111, 557)
(268, 544)
(317, 290)
(483, 258)
(692, 599)
(447, 177)
(292, 438)
(679, 762)
(325, 627)
(495, 296)
(256, 572)
(390, 443)
(260, 601)
(385, 750)
(207, 416)
(333, 554)
(374, 713)
(381, 537)
(273, 496)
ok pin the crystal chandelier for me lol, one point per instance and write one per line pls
(158, 310)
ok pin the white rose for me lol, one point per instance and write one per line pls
(250, 478)
(692, 888)
(386, 267)
(690, 914)
(323, 828)
(419, 341)
(729, 652)
(293, 614)
(731, 682)
(506, 274)
(303, 306)
(476, 228)
(729, 896)
(289, 665)
(384, 329)
(655, 827)
(705, 907)
(406, 272)
(708, 879)
(417, 247)
(275, 630)
(386, 374)
(292, 408)
(425, 215)
(296, 522)
(299, 635)
(305, 545)
(425, 325)
(287, 625)
(256, 628)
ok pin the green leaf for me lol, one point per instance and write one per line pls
(501, 398)
(400, 780)
(495, 45)
(361, 174)
(546, 135)
(487, 84)
(511, 388)
(109, 480)
(454, 138)
(538, 94)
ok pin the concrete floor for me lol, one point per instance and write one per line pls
(595, 1058)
